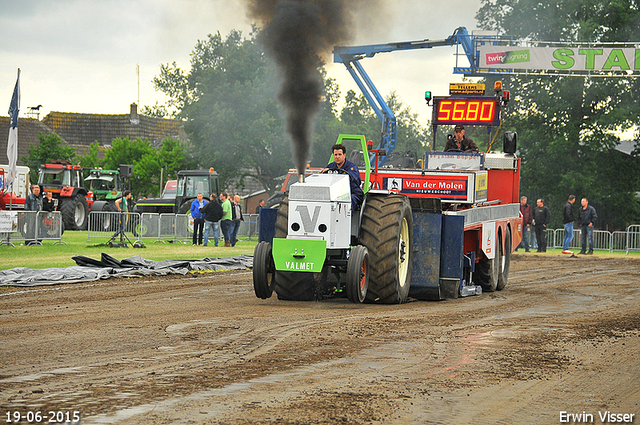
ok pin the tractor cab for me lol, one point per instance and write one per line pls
(104, 184)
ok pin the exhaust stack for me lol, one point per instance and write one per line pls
(300, 177)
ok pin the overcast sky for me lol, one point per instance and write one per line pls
(81, 55)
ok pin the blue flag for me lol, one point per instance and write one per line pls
(12, 144)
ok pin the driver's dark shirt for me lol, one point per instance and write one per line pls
(357, 195)
(466, 145)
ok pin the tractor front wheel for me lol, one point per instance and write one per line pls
(263, 270)
(358, 274)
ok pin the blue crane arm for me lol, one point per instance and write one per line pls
(344, 54)
(350, 57)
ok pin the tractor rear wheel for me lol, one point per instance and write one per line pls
(387, 232)
(505, 250)
(358, 274)
(74, 212)
(263, 269)
(294, 286)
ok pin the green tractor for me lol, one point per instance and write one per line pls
(106, 187)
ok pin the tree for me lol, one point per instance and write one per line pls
(91, 160)
(156, 111)
(228, 101)
(50, 148)
(125, 151)
(568, 127)
(147, 162)
(359, 118)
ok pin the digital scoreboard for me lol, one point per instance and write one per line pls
(480, 110)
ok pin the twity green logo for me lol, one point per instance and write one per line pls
(514, 56)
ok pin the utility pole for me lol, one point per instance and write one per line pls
(138, 73)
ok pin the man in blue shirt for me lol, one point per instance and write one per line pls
(341, 164)
(198, 218)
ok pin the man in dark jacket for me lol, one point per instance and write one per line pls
(460, 143)
(525, 210)
(567, 220)
(212, 214)
(34, 199)
(586, 219)
(541, 217)
(32, 203)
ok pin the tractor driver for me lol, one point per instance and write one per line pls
(342, 164)
(460, 143)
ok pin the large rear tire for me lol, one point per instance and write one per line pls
(387, 232)
(103, 222)
(505, 250)
(358, 274)
(263, 270)
(74, 212)
(294, 286)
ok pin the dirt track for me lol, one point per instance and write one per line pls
(562, 337)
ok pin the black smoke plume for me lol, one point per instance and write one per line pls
(297, 34)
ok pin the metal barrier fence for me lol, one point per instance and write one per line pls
(158, 227)
(633, 238)
(30, 227)
(110, 225)
(249, 228)
(602, 239)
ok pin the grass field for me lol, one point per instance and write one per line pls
(59, 255)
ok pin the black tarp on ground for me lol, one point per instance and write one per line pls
(89, 269)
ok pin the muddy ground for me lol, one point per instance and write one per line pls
(562, 337)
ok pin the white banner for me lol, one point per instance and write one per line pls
(8, 221)
(489, 239)
(560, 58)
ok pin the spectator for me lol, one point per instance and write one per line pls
(198, 218)
(460, 143)
(567, 220)
(34, 199)
(541, 217)
(225, 222)
(525, 210)
(32, 203)
(586, 218)
(123, 205)
(236, 216)
(260, 206)
(212, 215)
(48, 203)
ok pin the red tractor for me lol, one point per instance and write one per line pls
(64, 180)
